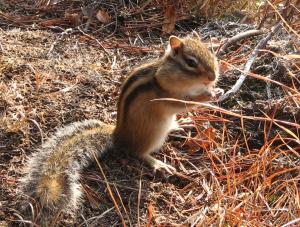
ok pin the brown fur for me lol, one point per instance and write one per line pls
(142, 124)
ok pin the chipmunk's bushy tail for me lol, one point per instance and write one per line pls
(52, 176)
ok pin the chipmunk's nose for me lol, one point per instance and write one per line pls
(211, 76)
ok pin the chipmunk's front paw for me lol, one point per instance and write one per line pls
(203, 97)
(208, 95)
(184, 123)
(217, 92)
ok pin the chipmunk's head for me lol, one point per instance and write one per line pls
(192, 58)
(189, 64)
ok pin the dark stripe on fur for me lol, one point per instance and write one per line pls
(183, 69)
(135, 76)
(147, 86)
(148, 71)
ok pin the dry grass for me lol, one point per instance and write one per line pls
(241, 169)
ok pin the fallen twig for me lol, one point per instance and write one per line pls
(93, 38)
(249, 63)
(237, 38)
(61, 36)
(291, 222)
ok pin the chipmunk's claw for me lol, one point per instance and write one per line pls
(183, 123)
(159, 165)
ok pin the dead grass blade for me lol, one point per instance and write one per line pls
(110, 191)
(212, 107)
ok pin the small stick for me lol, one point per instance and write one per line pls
(249, 63)
(39, 128)
(268, 88)
(61, 36)
(93, 38)
(239, 37)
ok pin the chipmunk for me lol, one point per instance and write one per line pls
(187, 71)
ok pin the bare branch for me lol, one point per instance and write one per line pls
(249, 63)
(239, 37)
(93, 38)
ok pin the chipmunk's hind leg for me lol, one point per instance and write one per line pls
(158, 165)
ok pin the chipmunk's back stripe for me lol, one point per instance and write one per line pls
(134, 77)
(140, 77)
(146, 86)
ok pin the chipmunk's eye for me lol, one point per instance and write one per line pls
(191, 62)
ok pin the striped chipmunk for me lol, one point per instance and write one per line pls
(187, 71)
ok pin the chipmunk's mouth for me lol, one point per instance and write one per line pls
(211, 76)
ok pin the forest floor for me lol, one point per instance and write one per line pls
(246, 172)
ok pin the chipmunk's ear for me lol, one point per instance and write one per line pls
(175, 44)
